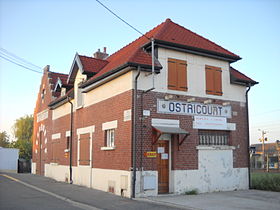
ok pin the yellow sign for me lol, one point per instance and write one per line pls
(151, 154)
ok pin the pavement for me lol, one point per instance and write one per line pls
(60, 195)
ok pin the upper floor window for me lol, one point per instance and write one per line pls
(213, 80)
(177, 74)
(80, 98)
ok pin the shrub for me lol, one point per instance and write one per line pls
(191, 192)
(266, 181)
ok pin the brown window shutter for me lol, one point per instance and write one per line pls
(172, 74)
(209, 81)
(182, 75)
(84, 158)
(218, 82)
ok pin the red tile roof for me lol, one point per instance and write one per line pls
(54, 77)
(174, 33)
(167, 31)
(240, 76)
(92, 65)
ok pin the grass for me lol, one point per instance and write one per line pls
(191, 192)
(266, 181)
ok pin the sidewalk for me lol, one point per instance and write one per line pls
(243, 199)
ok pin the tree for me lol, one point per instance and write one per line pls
(23, 129)
(4, 139)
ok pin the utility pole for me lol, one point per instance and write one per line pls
(263, 139)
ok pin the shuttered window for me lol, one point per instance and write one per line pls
(84, 157)
(213, 80)
(177, 74)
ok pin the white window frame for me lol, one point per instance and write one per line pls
(110, 138)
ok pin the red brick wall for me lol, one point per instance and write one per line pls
(186, 158)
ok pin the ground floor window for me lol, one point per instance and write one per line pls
(110, 138)
(213, 137)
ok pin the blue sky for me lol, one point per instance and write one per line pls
(51, 32)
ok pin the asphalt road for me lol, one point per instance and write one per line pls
(14, 195)
(33, 192)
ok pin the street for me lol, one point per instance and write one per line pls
(27, 191)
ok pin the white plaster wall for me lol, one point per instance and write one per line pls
(57, 172)
(101, 178)
(114, 87)
(33, 167)
(61, 111)
(82, 176)
(9, 159)
(196, 76)
(139, 188)
(215, 173)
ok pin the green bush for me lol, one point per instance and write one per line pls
(266, 181)
(191, 192)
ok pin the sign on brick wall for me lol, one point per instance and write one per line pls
(193, 108)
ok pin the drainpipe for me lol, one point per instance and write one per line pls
(71, 135)
(134, 132)
(248, 135)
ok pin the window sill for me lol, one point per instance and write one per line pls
(54, 164)
(79, 107)
(215, 147)
(108, 148)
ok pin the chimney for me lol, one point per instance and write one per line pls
(101, 55)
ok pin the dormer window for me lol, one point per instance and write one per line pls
(63, 91)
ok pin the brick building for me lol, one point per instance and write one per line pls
(133, 131)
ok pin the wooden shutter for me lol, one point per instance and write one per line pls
(218, 82)
(182, 75)
(209, 80)
(177, 74)
(84, 158)
(213, 77)
(172, 74)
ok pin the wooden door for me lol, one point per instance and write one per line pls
(163, 166)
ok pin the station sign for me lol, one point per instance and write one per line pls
(192, 108)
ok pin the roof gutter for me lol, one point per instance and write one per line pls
(194, 50)
(91, 84)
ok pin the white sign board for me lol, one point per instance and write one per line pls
(185, 108)
(210, 123)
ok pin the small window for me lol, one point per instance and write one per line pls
(110, 138)
(213, 138)
(43, 93)
(68, 142)
(80, 99)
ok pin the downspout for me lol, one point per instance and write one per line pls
(248, 135)
(134, 132)
(71, 134)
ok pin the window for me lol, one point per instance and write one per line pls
(177, 74)
(80, 99)
(213, 80)
(68, 142)
(110, 138)
(213, 138)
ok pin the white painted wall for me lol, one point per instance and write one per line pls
(90, 177)
(33, 167)
(61, 111)
(140, 182)
(9, 159)
(196, 76)
(117, 86)
(215, 173)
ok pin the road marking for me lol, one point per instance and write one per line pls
(9, 177)
(74, 203)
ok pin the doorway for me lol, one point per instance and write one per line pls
(163, 166)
